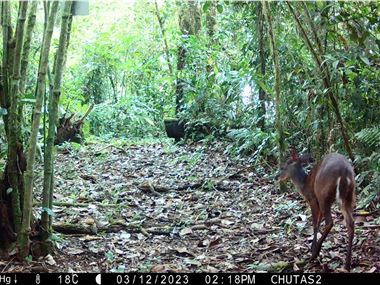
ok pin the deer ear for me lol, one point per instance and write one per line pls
(294, 155)
(306, 158)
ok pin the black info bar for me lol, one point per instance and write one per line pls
(187, 278)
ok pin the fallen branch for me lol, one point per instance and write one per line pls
(365, 214)
(109, 146)
(75, 229)
(82, 205)
(152, 190)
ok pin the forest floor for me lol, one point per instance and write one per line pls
(185, 208)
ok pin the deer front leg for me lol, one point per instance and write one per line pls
(316, 217)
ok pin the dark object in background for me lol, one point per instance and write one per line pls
(69, 130)
(174, 129)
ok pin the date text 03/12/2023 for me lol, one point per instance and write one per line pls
(216, 279)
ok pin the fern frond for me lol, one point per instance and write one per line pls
(369, 136)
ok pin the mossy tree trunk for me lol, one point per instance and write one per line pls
(8, 46)
(41, 87)
(53, 117)
(25, 53)
(16, 160)
(260, 32)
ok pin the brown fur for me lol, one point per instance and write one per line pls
(319, 189)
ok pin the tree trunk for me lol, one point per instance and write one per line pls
(25, 55)
(261, 38)
(29, 177)
(16, 160)
(8, 46)
(160, 22)
(277, 87)
(53, 116)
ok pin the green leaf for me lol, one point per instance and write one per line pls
(3, 111)
(118, 269)
(219, 7)
(262, 84)
(48, 211)
(206, 5)
(110, 256)
(365, 60)
(149, 121)
(29, 258)
(9, 191)
(335, 64)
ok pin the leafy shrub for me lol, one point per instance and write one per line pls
(368, 180)
(129, 117)
(252, 141)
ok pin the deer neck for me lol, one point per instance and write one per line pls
(305, 183)
(299, 179)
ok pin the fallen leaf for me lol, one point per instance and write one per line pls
(49, 260)
(372, 270)
(192, 262)
(89, 221)
(162, 268)
(185, 231)
(227, 222)
(215, 242)
(74, 251)
(183, 251)
(90, 238)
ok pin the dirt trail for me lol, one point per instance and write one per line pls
(185, 209)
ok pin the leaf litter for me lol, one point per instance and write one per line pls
(185, 208)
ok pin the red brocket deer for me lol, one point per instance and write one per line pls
(332, 178)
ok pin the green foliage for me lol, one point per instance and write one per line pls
(29, 258)
(369, 137)
(128, 118)
(134, 66)
(48, 211)
(122, 67)
(252, 141)
(110, 256)
(368, 180)
(118, 269)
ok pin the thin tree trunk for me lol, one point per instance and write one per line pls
(6, 65)
(15, 149)
(26, 48)
(53, 116)
(29, 177)
(163, 38)
(25, 56)
(277, 86)
(113, 88)
(261, 35)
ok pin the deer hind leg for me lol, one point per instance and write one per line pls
(329, 224)
(347, 200)
(347, 213)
